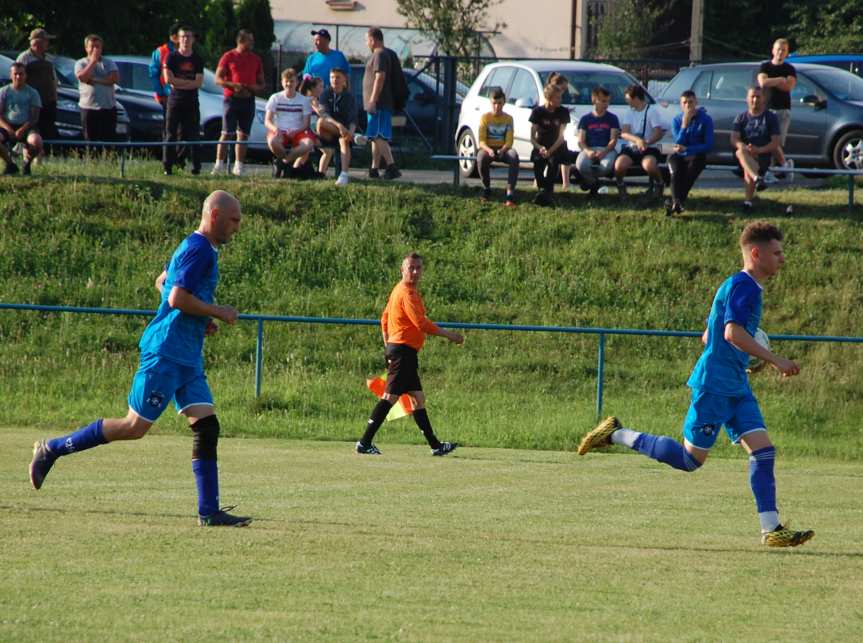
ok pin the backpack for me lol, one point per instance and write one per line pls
(399, 83)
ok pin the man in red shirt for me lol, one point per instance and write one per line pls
(404, 326)
(241, 73)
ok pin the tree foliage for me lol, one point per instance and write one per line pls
(453, 24)
(626, 30)
(257, 17)
(218, 30)
(828, 26)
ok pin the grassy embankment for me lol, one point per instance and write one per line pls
(93, 239)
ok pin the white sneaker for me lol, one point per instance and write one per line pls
(770, 178)
(238, 169)
(343, 179)
(359, 139)
(218, 168)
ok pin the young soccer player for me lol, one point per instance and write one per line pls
(495, 144)
(720, 388)
(172, 363)
(404, 326)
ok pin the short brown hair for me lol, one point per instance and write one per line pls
(376, 33)
(244, 34)
(413, 255)
(290, 72)
(556, 78)
(497, 94)
(92, 37)
(635, 91)
(598, 91)
(17, 65)
(759, 232)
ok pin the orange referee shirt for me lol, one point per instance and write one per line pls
(404, 319)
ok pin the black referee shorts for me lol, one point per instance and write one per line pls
(402, 369)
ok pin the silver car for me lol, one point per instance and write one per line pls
(135, 79)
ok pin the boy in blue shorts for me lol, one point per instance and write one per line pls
(720, 388)
(172, 363)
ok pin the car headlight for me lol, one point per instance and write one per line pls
(154, 116)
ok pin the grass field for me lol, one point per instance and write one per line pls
(484, 545)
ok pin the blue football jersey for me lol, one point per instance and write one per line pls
(721, 369)
(173, 334)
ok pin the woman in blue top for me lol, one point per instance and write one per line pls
(692, 131)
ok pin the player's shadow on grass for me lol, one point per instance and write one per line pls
(108, 512)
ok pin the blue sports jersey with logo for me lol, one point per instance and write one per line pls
(173, 334)
(721, 369)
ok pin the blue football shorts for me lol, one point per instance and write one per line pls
(158, 381)
(708, 412)
(380, 125)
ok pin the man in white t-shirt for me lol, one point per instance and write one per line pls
(288, 117)
(642, 126)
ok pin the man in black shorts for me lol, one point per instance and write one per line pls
(754, 137)
(404, 326)
(641, 129)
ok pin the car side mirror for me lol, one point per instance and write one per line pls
(525, 102)
(813, 101)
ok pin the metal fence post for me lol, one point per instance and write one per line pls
(600, 375)
(259, 358)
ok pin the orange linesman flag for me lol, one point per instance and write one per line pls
(378, 387)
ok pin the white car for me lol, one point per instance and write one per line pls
(522, 82)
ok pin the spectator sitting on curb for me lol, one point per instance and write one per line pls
(597, 138)
(495, 144)
(19, 115)
(642, 129)
(287, 120)
(692, 132)
(549, 149)
(337, 123)
(754, 137)
(559, 80)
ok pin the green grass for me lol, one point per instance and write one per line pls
(484, 545)
(82, 236)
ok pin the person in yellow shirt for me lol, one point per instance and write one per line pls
(495, 144)
(404, 326)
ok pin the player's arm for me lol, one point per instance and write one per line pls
(736, 335)
(426, 325)
(160, 280)
(704, 336)
(186, 302)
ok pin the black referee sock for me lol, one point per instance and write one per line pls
(379, 414)
(422, 420)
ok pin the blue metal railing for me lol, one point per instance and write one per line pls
(602, 333)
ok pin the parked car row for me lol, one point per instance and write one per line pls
(827, 106)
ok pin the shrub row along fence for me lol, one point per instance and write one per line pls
(601, 333)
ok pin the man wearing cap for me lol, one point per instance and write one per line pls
(42, 77)
(323, 60)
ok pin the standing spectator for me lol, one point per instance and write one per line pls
(241, 72)
(548, 122)
(378, 82)
(597, 138)
(19, 116)
(495, 144)
(642, 128)
(184, 74)
(692, 132)
(323, 60)
(337, 123)
(404, 327)
(42, 77)
(97, 76)
(161, 89)
(754, 137)
(778, 79)
(287, 118)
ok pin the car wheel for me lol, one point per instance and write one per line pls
(467, 147)
(848, 151)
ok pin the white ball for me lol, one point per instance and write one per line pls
(763, 340)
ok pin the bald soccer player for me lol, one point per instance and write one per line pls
(172, 363)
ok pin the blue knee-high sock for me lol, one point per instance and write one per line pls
(761, 478)
(207, 480)
(84, 438)
(666, 450)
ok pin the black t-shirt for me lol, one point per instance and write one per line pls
(548, 123)
(185, 67)
(776, 98)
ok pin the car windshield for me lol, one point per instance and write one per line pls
(842, 84)
(430, 82)
(581, 83)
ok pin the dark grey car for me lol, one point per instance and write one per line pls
(826, 110)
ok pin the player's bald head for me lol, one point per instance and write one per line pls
(219, 200)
